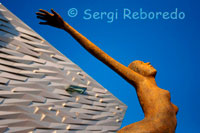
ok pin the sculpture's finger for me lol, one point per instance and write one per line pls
(55, 13)
(44, 11)
(40, 14)
(41, 17)
(43, 23)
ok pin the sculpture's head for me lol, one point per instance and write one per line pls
(145, 69)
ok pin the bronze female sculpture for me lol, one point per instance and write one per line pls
(160, 113)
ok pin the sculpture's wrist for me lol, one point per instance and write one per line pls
(66, 26)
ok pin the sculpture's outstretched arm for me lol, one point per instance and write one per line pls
(56, 21)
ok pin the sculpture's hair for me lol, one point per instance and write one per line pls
(133, 66)
(145, 72)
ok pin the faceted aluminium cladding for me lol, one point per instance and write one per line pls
(34, 77)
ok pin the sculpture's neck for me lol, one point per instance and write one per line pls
(152, 80)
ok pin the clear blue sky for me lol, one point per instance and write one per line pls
(172, 47)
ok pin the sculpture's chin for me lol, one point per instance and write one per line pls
(153, 73)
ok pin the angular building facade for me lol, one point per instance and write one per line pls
(43, 91)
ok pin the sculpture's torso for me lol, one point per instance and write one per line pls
(157, 108)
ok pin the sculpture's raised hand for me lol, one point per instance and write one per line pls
(54, 19)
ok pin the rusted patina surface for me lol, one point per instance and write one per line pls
(160, 112)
